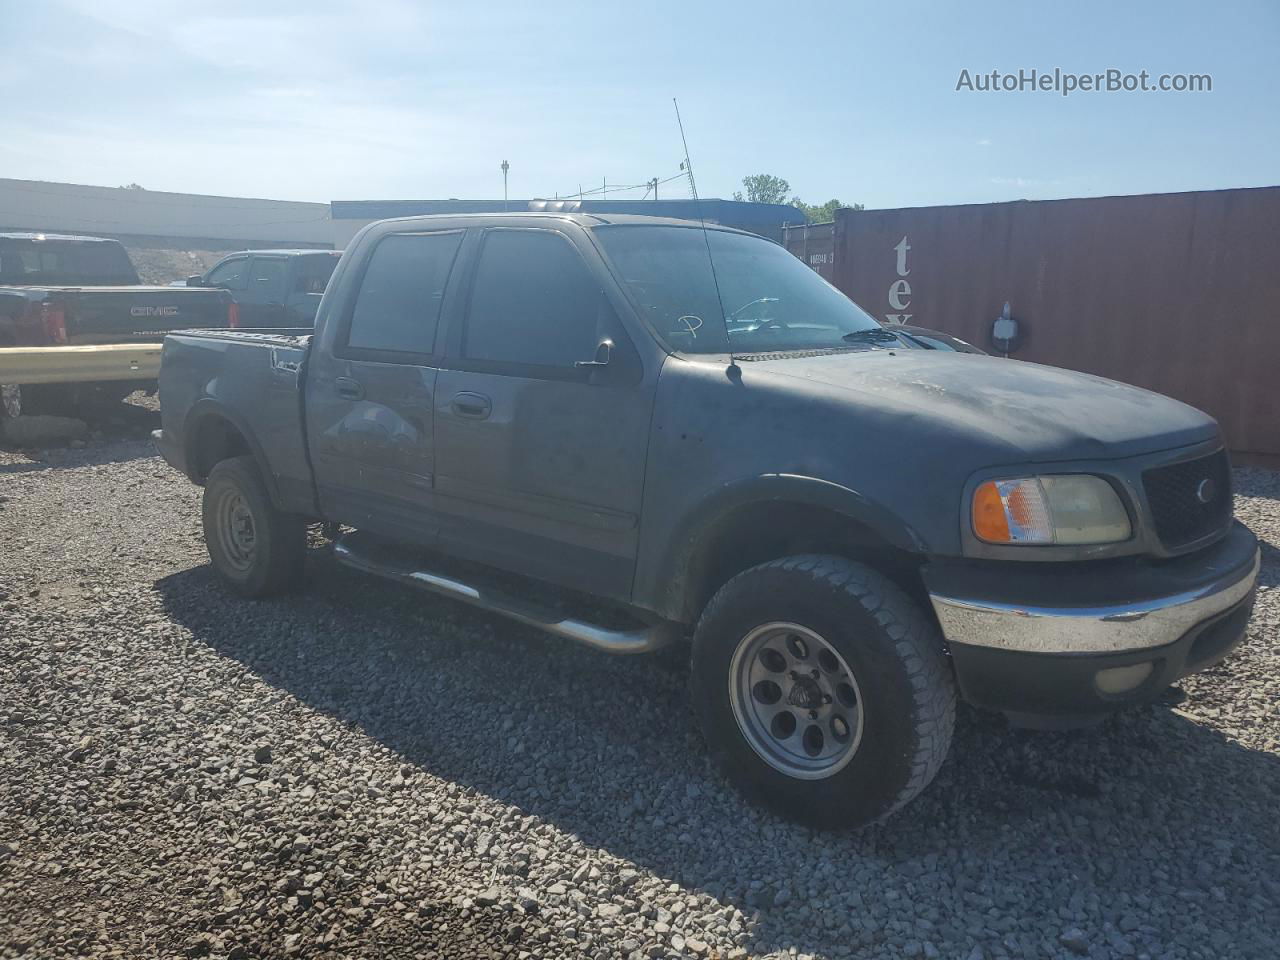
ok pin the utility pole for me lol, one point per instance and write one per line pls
(505, 167)
(654, 181)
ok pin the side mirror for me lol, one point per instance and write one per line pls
(1005, 332)
(196, 281)
(604, 353)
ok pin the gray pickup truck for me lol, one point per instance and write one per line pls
(694, 434)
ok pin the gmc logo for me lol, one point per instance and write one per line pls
(153, 311)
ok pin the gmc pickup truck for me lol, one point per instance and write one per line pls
(694, 433)
(78, 328)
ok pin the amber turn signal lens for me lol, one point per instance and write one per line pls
(990, 522)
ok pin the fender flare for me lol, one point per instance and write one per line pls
(207, 408)
(673, 580)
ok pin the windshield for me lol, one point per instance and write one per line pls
(772, 301)
(30, 262)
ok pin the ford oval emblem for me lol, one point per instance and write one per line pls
(1206, 490)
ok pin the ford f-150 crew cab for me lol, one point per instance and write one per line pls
(690, 425)
(78, 328)
(272, 288)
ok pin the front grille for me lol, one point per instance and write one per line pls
(1189, 500)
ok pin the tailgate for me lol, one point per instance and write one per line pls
(139, 314)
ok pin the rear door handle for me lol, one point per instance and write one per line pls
(474, 406)
(348, 389)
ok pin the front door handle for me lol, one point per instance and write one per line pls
(348, 389)
(474, 406)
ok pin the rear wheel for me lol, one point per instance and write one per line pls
(256, 549)
(822, 690)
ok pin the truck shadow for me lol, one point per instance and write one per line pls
(96, 453)
(605, 748)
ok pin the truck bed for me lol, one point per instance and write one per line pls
(241, 377)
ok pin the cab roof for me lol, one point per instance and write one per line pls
(585, 220)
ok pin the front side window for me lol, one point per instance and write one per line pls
(229, 275)
(768, 299)
(268, 278)
(401, 293)
(533, 302)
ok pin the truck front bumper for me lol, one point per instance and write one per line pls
(1063, 644)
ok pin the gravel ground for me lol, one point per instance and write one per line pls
(361, 771)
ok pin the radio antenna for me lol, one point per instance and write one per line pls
(734, 369)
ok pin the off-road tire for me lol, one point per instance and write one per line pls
(274, 564)
(893, 649)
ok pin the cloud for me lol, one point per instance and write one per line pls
(984, 142)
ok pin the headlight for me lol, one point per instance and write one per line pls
(1073, 508)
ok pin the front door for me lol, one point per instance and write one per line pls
(540, 461)
(262, 303)
(370, 399)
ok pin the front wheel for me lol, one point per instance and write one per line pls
(823, 690)
(256, 549)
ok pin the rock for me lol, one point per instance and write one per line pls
(262, 754)
(489, 897)
(1075, 940)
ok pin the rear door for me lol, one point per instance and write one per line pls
(370, 398)
(309, 275)
(540, 461)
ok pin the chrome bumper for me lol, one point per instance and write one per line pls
(1104, 629)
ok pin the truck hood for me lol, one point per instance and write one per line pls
(1043, 413)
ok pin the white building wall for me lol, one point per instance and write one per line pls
(74, 208)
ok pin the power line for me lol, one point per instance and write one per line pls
(622, 188)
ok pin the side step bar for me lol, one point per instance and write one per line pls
(355, 551)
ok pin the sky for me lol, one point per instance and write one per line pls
(392, 99)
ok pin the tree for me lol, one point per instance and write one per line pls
(764, 188)
(822, 213)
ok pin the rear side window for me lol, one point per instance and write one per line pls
(398, 306)
(64, 262)
(533, 302)
(229, 275)
(312, 273)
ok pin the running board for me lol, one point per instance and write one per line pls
(360, 553)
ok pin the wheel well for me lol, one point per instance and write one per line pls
(759, 532)
(215, 438)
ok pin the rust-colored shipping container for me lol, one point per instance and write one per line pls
(1179, 293)
(814, 243)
